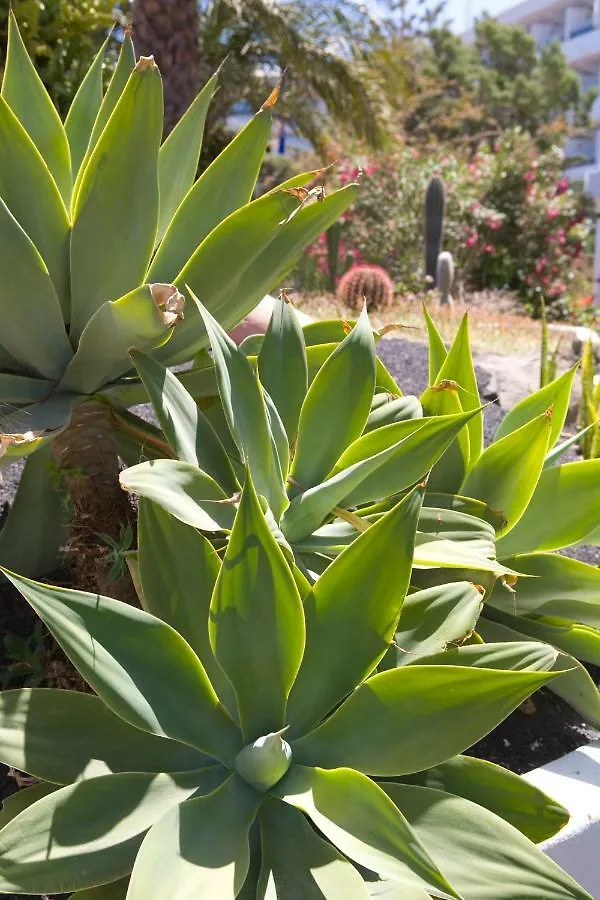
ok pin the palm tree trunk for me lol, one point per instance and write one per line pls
(87, 456)
(168, 30)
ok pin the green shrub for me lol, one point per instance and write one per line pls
(512, 220)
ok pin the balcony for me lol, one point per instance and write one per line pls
(582, 29)
(585, 46)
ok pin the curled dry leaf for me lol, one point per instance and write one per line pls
(169, 302)
(9, 440)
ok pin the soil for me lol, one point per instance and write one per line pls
(541, 730)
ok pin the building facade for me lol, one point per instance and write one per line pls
(577, 28)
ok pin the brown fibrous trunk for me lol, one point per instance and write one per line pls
(168, 30)
(87, 457)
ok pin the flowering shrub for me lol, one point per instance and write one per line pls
(512, 219)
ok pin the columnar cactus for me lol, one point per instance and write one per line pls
(444, 277)
(366, 283)
(435, 202)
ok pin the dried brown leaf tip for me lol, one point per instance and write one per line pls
(549, 412)
(395, 326)
(146, 62)
(445, 385)
(300, 193)
(169, 303)
(11, 440)
(284, 295)
(273, 96)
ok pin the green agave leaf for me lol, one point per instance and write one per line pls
(560, 449)
(295, 859)
(509, 796)
(179, 155)
(396, 467)
(336, 406)
(444, 399)
(470, 533)
(560, 587)
(24, 91)
(432, 619)
(33, 328)
(437, 348)
(465, 505)
(115, 891)
(245, 411)
(55, 845)
(505, 475)
(62, 736)
(396, 409)
(137, 319)
(458, 367)
(318, 354)
(178, 572)
(574, 686)
(123, 69)
(368, 732)
(564, 509)
(23, 799)
(525, 656)
(20, 389)
(280, 256)
(256, 622)
(185, 427)
(182, 490)
(279, 439)
(84, 109)
(445, 554)
(483, 856)
(121, 173)
(222, 189)
(46, 221)
(553, 396)
(282, 365)
(241, 236)
(426, 441)
(200, 848)
(39, 512)
(355, 604)
(111, 645)
(357, 817)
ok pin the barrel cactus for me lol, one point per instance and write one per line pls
(102, 226)
(368, 284)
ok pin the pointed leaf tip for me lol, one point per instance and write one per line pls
(273, 97)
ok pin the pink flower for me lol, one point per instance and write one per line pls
(552, 212)
(489, 248)
(494, 224)
(471, 240)
(562, 185)
(529, 176)
(541, 264)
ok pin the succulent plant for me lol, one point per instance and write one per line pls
(366, 283)
(332, 460)
(444, 278)
(102, 226)
(435, 203)
(241, 741)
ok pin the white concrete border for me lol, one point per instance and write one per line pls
(574, 781)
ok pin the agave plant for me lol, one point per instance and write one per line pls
(332, 457)
(241, 742)
(309, 416)
(102, 225)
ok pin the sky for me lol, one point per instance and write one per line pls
(461, 12)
